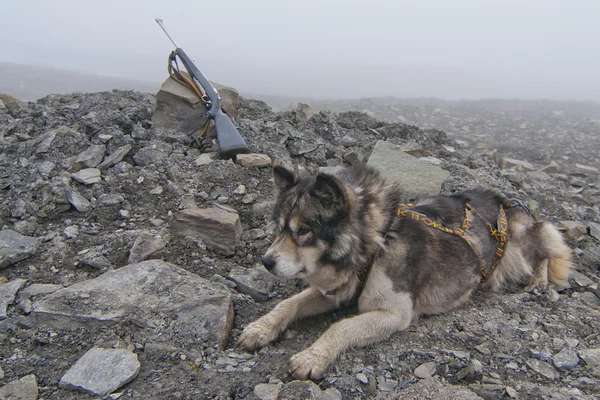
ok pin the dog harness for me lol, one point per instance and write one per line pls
(499, 233)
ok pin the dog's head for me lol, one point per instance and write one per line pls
(309, 215)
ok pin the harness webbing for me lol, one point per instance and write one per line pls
(500, 233)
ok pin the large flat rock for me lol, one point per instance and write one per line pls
(413, 176)
(166, 301)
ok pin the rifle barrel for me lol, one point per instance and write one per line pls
(160, 22)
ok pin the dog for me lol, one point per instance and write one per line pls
(351, 236)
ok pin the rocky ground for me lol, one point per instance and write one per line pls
(130, 260)
(539, 131)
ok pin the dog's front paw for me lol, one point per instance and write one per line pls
(257, 334)
(309, 363)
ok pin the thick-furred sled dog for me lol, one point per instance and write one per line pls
(351, 237)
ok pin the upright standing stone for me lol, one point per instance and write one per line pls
(218, 227)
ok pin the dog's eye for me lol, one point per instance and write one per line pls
(303, 232)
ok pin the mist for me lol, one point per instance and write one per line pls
(335, 49)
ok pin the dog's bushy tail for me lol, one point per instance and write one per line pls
(560, 262)
(536, 254)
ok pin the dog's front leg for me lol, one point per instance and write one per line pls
(268, 328)
(359, 331)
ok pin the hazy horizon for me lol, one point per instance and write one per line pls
(461, 49)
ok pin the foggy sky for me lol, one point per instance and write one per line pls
(330, 48)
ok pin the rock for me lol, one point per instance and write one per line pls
(106, 200)
(299, 147)
(303, 113)
(44, 141)
(157, 190)
(90, 158)
(71, 231)
(102, 371)
(115, 157)
(19, 209)
(87, 176)
(426, 370)
(362, 378)
(552, 168)
(249, 198)
(387, 385)
(553, 295)
(512, 365)
(145, 246)
(512, 393)
(8, 291)
(432, 160)
(572, 342)
(217, 227)
(464, 355)
(256, 282)
(581, 279)
(542, 368)
(241, 189)
(46, 168)
(591, 357)
(253, 234)
(587, 168)
(163, 299)
(266, 391)
(348, 141)
(594, 230)
(587, 297)
(12, 104)
(15, 247)
(543, 354)
(230, 99)
(77, 200)
(204, 159)
(514, 176)
(574, 229)
(566, 359)
(25, 388)
(178, 108)
(514, 163)
(471, 372)
(412, 175)
(301, 390)
(38, 289)
(253, 160)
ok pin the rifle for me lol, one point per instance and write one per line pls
(230, 141)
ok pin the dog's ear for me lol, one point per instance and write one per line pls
(284, 178)
(329, 192)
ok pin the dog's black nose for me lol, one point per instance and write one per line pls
(268, 262)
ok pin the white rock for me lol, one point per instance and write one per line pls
(254, 160)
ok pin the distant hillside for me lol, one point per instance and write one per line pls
(29, 82)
